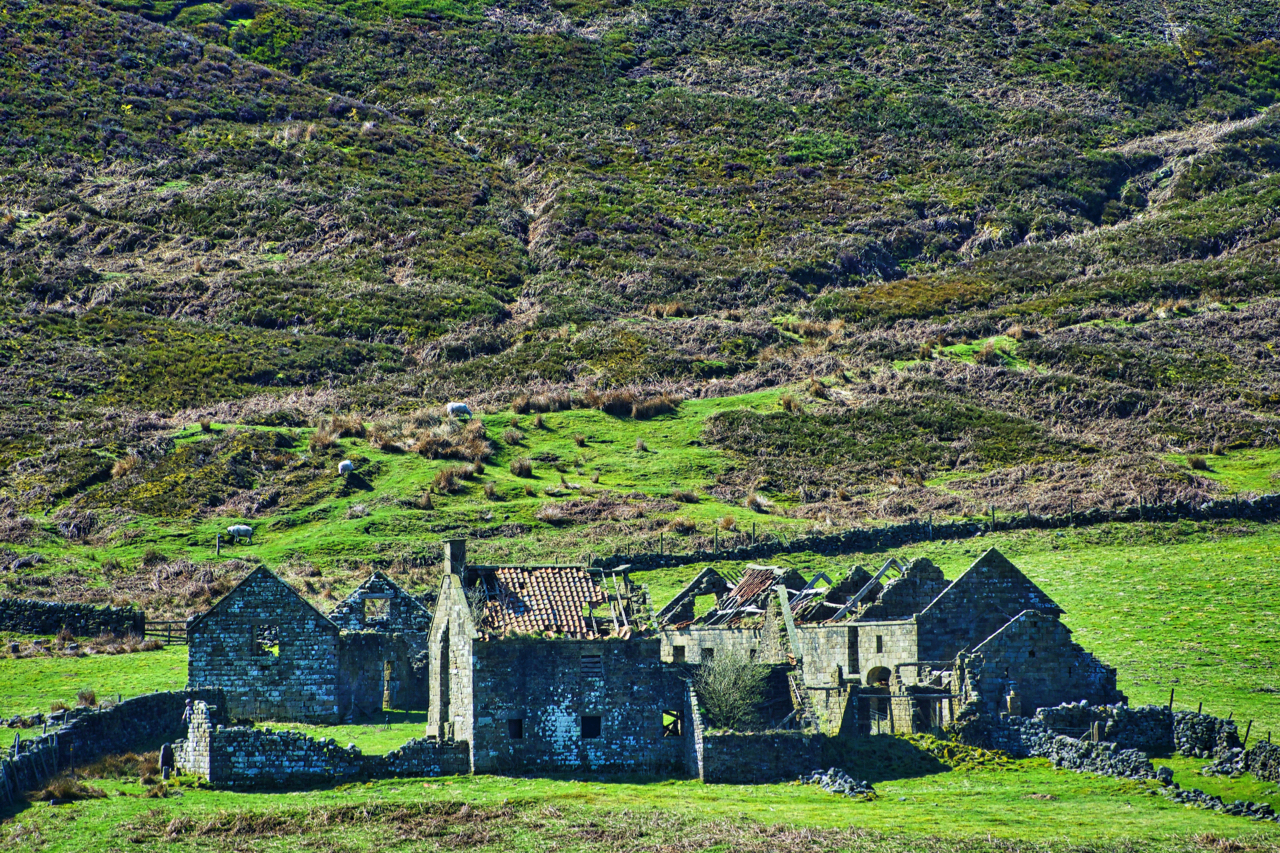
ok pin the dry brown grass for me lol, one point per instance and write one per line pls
(818, 390)
(125, 466)
(512, 437)
(682, 524)
(550, 513)
(728, 522)
(669, 309)
(86, 699)
(449, 480)
(67, 789)
(757, 503)
(539, 423)
(125, 766)
(491, 491)
(579, 439)
(641, 447)
(684, 496)
(1198, 463)
(522, 466)
(553, 401)
(790, 404)
(989, 355)
(206, 425)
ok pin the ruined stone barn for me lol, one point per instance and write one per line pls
(278, 658)
(552, 668)
(901, 650)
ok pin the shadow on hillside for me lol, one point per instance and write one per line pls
(880, 758)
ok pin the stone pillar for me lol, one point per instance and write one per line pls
(1014, 703)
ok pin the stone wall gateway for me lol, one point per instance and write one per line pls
(28, 616)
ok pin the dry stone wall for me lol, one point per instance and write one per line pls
(1264, 508)
(27, 616)
(245, 758)
(749, 758)
(84, 735)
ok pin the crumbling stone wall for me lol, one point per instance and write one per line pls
(904, 596)
(1263, 761)
(1203, 735)
(27, 616)
(29, 769)
(246, 758)
(137, 724)
(548, 687)
(404, 612)
(884, 645)
(691, 644)
(84, 735)
(274, 655)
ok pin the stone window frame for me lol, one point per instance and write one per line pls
(591, 723)
(677, 653)
(515, 728)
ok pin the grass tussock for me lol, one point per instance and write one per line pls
(675, 308)
(512, 437)
(757, 503)
(449, 440)
(1198, 463)
(549, 513)
(522, 466)
(990, 355)
(556, 401)
(449, 480)
(128, 765)
(684, 496)
(125, 466)
(790, 404)
(682, 524)
(67, 790)
(624, 402)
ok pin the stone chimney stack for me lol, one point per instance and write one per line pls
(455, 557)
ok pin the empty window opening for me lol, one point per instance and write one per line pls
(708, 655)
(677, 654)
(592, 666)
(376, 610)
(590, 727)
(1031, 653)
(879, 644)
(515, 729)
(672, 724)
(266, 639)
(751, 654)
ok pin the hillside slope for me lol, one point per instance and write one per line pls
(1038, 236)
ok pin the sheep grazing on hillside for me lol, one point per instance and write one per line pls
(457, 410)
(240, 531)
(346, 466)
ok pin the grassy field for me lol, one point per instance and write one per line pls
(1030, 807)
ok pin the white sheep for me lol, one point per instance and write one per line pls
(346, 466)
(240, 531)
(457, 410)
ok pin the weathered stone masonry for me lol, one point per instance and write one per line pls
(26, 616)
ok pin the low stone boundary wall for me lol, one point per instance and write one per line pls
(29, 769)
(1202, 735)
(1264, 508)
(745, 759)
(245, 758)
(1149, 728)
(28, 616)
(86, 734)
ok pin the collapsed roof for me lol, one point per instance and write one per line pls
(569, 602)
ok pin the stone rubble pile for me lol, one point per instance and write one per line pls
(836, 781)
(1239, 808)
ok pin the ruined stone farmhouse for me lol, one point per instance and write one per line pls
(901, 650)
(544, 668)
(278, 658)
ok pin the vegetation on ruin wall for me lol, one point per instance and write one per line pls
(966, 810)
